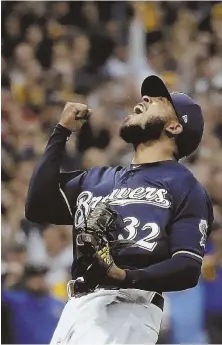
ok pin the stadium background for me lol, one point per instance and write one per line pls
(98, 53)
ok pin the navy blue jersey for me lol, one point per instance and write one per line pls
(163, 207)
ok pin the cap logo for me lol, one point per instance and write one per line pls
(185, 118)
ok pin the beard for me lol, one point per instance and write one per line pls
(136, 134)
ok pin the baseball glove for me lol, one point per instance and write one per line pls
(96, 244)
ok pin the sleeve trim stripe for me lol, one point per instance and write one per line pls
(187, 252)
(66, 201)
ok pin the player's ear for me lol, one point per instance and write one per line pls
(174, 128)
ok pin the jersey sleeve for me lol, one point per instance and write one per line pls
(52, 194)
(192, 224)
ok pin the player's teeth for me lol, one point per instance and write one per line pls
(139, 107)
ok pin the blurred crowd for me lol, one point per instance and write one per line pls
(98, 53)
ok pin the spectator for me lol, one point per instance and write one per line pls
(32, 308)
(95, 133)
(117, 65)
(212, 272)
(53, 246)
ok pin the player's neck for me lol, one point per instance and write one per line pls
(155, 151)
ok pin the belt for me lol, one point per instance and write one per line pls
(157, 299)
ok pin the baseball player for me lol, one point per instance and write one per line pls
(166, 216)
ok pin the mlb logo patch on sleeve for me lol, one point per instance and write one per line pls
(203, 226)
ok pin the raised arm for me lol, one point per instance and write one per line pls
(47, 200)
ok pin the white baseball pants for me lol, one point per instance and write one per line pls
(124, 316)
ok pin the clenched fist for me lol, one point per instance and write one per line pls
(74, 116)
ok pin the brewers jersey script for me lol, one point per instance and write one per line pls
(163, 208)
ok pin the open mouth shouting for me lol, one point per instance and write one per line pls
(139, 109)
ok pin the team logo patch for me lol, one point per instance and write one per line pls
(203, 226)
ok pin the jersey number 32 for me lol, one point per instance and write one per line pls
(151, 232)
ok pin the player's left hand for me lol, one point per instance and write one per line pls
(107, 264)
(104, 259)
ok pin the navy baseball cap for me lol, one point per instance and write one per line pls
(187, 110)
